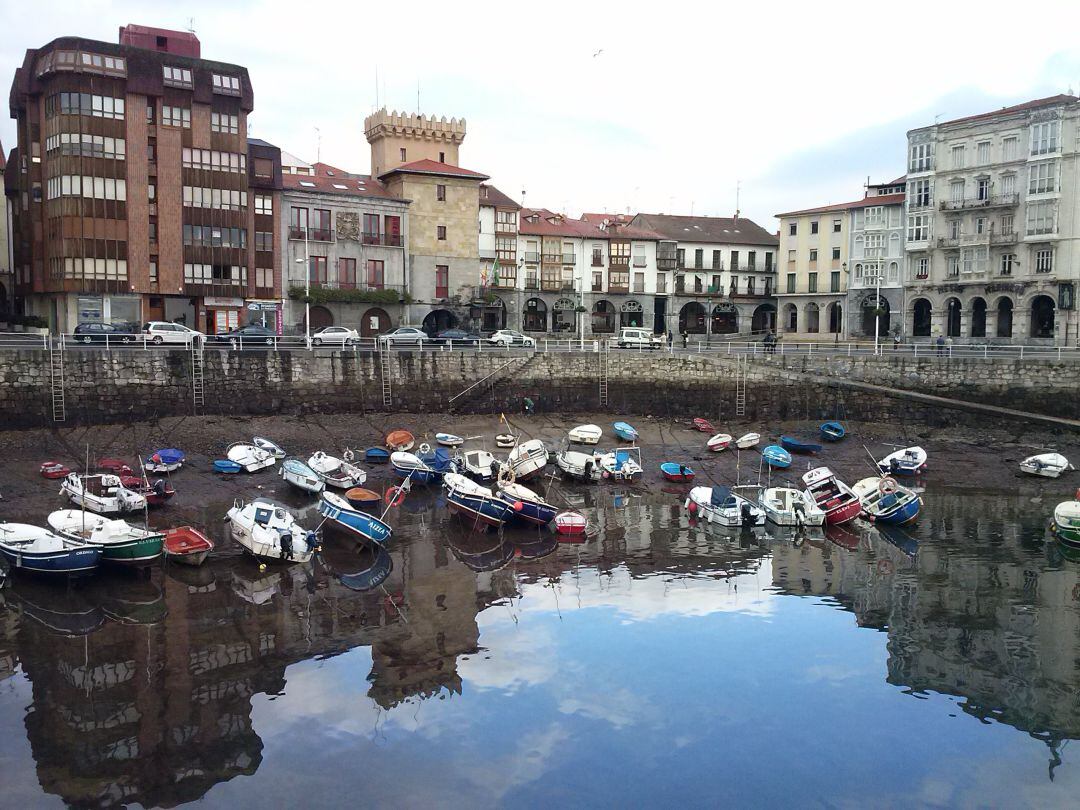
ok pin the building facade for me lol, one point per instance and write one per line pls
(992, 226)
(7, 301)
(498, 239)
(814, 249)
(875, 295)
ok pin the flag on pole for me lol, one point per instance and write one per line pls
(495, 273)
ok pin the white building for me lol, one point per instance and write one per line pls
(875, 293)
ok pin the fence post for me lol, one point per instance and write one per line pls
(809, 349)
(849, 349)
(1059, 353)
(1021, 351)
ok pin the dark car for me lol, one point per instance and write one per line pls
(104, 332)
(458, 337)
(253, 334)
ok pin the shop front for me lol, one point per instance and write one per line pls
(220, 314)
(117, 309)
(266, 313)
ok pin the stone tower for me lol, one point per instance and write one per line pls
(398, 138)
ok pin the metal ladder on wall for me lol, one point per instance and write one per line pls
(604, 356)
(740, 385)
(384, 371)
(56, 379)
(197, 376)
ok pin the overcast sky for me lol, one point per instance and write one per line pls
(608, 107)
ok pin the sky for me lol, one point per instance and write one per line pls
(672, 108)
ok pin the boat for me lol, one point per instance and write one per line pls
(400, 440)
(377, 455)
(1047, 465)
(32, 548)
(571, 524)
(748, 440)
(249, 457)
(623, 464)
(528, 459)
(475, 502)
(166, 460)
(718, 442)
(528, 506)
(421, 469)
(337, 472)
(449, 440)
(120, 541)
(54, 470)
(786, 506)
(360, 498)
(885, 501)
(226, 467)
(704, 425)
(269, 446)
(832, 431)
(776, 457)
(341, 514)
(103, 493)
(909, 461)
(478, 464)
(270, 532)
(301, 476)
(625, 431)
(156, 492)
(833, 495)
(724, 507)
(585, 434)
(116, 466)
(505, 440)
(793, 445)
(582, 466)
(675, 471)
(187, 545)
(1066, 523)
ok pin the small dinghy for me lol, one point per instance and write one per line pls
(528, 505)
(528, 459)
(270, 532)
(301, 476)
(116, 466)
(748, 440)
(249, 457)
(32, 548)
(54, 470)
(226, 467)
(478, 464)
(1066, 523)
(625, 431)
(909, 461)
(376, 455)
(341, 514)
(674, 471)
(579, 466)
(776, 457)
(585, 434)
(1046, 465)
(120, 541)
(449, 440)
(832, 431)
(622, 465)
(718, 442)
(104, 494)
(187, 545)
(786, 506)
(885, 501)
(400, 440)
(571, 524)
(269, 446)
(337, 472)
(156, 493)
(703, 425)
(505, 440)
(421, 469)
(723, 506)
(793, 445)
(164, 461)
(360, 498)
(833, 495)
(475, 502)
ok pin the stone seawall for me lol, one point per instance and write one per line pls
(101, 386)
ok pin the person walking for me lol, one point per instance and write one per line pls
(948, 345)
(685, 338)
(670, 339)
(896, 340)
(940, 345)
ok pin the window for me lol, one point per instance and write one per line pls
(813, 227)
(1008, 184)
(440, 193)
(86, 145)
(982, 188)
(375, 275)
(264, 240)
(317, 270)
(834, 281)
(264, 204)
(922, 267)
(1042, 177)
(442, 279)
(791, 282)
(1044, 137)
(298, 223)
(1041, 217)
(793, 229)
(956, 191)
(958, 156)
(321, 229)
(835, 254)
(222, 199)
(152, 229)
(347, 273)
(751, 259)
(811, 282)
(874, 246)
(153, 270)
(213, 236)
(150, 119)
(224, 122)
(213, 160)
(1009, 150)
(403, 154)
(442, 157)
(973, 260)
(84, 104)
(918, 228)
(813, 255)
(86, 186)
(874, 216)
(227, 85)
(749, 286)
(151, 192)
(176, 76)
(980, 225)
(791, 255)
(956, 228)
(1007, 262)
(1007, 223)
(264, 277)
(699, 258)
(717, 260)
(920, 158)
(151, 150)
(440, 232)
(982, 153)
(1044, 260)
(952, 266)
(919, 193)
(175, 116)
(837, 225)
(392, 231)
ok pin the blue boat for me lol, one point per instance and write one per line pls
(168, 459)
(421, 469)
(528, 506)
(832, 431)
(885, 501)
(625, 431)
(776, 457)
(223, 465)
(368, 528)
(32, 548)
(369, 578)
(674, 471)
(474, 502)
(793, 445)
(376, 455)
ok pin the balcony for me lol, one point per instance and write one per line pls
(321, 234)
(697, 287)
(669, 262)
(1006, 238)
(621, 262)
(532, 282)
(385, 239)
(618, 289)
(552, 258)
(505, 282)
(505, 227)
(551, 284)
(993, 201)
(506, 256)
(569, 258)
(597, 261)
(639, 261)
(218, 287)
(531, 257)
(297, 233)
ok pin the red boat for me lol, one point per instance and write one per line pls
(116, 466)
(674, 471)
(704, 425)
(841, 505)
(571, 524)
(156, 493)
(54, 469)
(187, 545)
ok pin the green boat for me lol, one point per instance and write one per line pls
(120, 541)
(1066, 524)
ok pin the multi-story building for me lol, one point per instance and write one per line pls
(6, 276)
(814, 246)
(874, 273)
(498, 261)
(993, 235)
(714, 275)
(133, 183)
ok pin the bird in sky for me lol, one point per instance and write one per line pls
(598, 53)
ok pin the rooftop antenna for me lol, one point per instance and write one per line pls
(191, 25)
(318, 145)
(738, 190)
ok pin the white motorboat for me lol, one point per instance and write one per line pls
(104, 494)
(269, 446)
(475, 502)
(505, 440)
(449, 440)
(723, 506)
(1047, 465)
(909, 461)
(301, 476)
(748, 440)
(786, 506)
(582, 466)
(249, 457)
(479, 464)
(337, 472)
(528, 459)
(718, 442)
(585, 434)
(270, 532)
(119, 540)
(623, 464)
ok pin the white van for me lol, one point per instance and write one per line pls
(165, 332)
(634, 337)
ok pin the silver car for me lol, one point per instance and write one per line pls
(404, 336)
(335, 336)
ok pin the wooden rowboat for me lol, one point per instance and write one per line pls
(363, 498)
(400, 440)
(572, 524)
(704, 425)
(187, 545)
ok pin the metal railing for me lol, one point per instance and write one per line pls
(990, 201)
(385, 239)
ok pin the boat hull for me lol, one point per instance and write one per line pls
(137, 551)
(360, 525)
(842, 513)
(797, 446)
(66, 562)
(540, 514)
(491, 511)
(904, 512)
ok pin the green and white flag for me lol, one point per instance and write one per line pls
(495, 273)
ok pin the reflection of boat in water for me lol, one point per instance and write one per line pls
(200, 578)
(359, 568)
(129, 599)
(479, 550)
(896, 536)
(797, 535)
(536, 545)
(257, 589)
(64, 611)
(844, 535)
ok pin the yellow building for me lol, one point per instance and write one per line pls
(813, 272)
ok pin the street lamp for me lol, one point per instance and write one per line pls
(877, 310)
(306, 261)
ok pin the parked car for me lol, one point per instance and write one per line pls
(103, 332)
(253, 333)
(457, 337)
(633, 337)
(166, 332)
(508, 337)
(335, 335)
(404, 335)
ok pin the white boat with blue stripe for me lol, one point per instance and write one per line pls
(340, 514)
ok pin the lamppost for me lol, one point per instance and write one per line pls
(307, 290)
(877, 310)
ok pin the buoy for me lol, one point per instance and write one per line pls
(394, 496)
(518, 506)
(692, 508)
(887, 486)
(262, 566)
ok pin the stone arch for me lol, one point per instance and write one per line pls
(1004, 317)
(375, 321)
(836, 317)
(603, 317)
(921, 317)
(876, 309)
(763, 320)
(978, 317)
(321, 317)
(791, 318)
(631, 314)
(493, 315)
(534, 316)
(725, 319)
(564, 318)
(692, 319)
(813, 318)
(438, 320)
(1043, 310)
(953, 315)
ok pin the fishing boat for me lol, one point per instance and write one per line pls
(748, 440)
(400, 440)
(909, 461)
(164, 461)
(478, 464)
(475, 502)
(571, 524)
(249, 457)
(226, 467)
(723, 506)
(718, 442)
(301, 476)
(339, 513)
(1066, 523)
(187, 545)
(776, 457)
(120, 541)
(623, 464)
(270, 532)
(528, 459)
(580, 466)
(337, 472)
(449, 440)
(529, 506)
(269, 446)
(704, 425)
(376, 455)
(832, 495)
(360, 498)
(885, 501)
(793, 445)
(1047, 465)
(786, 506)
(505, 440)
(54, 470)
(625, 431)
(32, 548)
(675, 471)
(418, 469)
(585, 434)
(832, 431)
(104, 494)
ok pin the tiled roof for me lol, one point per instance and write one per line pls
(881, 199)
(1049, 101)
(427, 166)
(598, 218)
(716, 230)
(331, 180)
(545, 226)
(491, 196)
(824, 209)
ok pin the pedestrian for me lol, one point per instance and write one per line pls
(529, 405)
(670, 338)
(896, 340)
(767, 342)
(685, 338)
(948, 345)
(940, 345)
